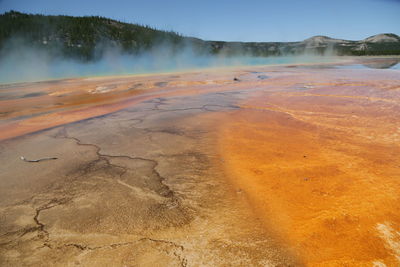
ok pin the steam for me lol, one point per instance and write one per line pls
(21, 61)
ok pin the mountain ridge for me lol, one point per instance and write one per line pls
(87, 38)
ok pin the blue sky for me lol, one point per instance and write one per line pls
(237, 20)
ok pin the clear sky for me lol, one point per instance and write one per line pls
(237, 20)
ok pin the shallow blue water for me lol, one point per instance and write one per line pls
(32, 68)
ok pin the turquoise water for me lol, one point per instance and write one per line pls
(31, 68)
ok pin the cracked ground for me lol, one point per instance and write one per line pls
(200, 169)
(137, 187)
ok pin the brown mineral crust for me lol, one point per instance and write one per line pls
(283, 167)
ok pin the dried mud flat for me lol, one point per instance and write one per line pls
(282, 166)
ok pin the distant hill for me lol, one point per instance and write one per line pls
(383, 38)
(87, 38)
